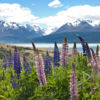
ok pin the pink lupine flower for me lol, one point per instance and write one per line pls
(73, 84)
(95, 62)
(74, 50)
(64, 56)
(39, 66)
(40, 69)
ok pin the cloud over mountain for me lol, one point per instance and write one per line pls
(15, 13)
(71, 15)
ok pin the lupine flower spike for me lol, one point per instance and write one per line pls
(83, 45)
(73, 84)
(4, 62)
(64, 56)
(39, 66)
(10, 60)
(88, 53)
(47, 64)
(26, 65)
(40, 69)
(17, 64)
(56, 57)
(74, 50)
(95, 62)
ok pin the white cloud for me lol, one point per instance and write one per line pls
(55, 4)
(71, 15)
(16, 13)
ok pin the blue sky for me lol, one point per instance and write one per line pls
(49, 14)
(40, 7)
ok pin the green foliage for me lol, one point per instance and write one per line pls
(58, 83)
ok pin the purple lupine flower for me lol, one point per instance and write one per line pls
(15, 60)
(73, 84)
(10, 60)
(17, 64)
(26, 65)
(95, 62)
(88, 53)
(56, 57)
(74, 50)
(4, 63)
(83, 45)
(39, 66)
(13, 81)
(47, 64)
(64, 56)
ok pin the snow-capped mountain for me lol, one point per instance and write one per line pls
(14, 32)
(78, 26)
(91, 33)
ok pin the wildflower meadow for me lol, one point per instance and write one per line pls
(56, 77)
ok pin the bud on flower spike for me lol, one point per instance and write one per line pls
(97, 52)
(74, 50)
(83, 45)
(73, 84)
(64, 56)
(88, 53)
(34, 48)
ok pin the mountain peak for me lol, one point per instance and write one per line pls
(77, 26)
(14, 32)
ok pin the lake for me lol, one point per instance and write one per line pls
(51, 45)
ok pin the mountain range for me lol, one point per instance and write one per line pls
(18, 33)
(89, 32)
(11, 32)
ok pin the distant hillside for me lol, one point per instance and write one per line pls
(87, 31)
(14, 32)
(92, 37)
